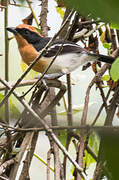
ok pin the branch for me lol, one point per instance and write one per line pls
(105, 129)
(112, 108)
(99, 74)
(43, 17)
(5, 165)
(101, 108)
(48, 163)
(48, 130)
(27, 161)
(64, 31)
(3, 178)
(97, 170)
(23, 83)
(6, 58)
(69, 112)
(19, 156)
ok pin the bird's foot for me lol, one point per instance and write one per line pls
(49, 77)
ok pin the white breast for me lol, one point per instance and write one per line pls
(69, 62)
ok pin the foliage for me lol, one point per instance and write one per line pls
(106, 77)
(62, 136)
(60, 11)
(107, 10)
(21, 1)
(114, 26)
(115, 70)
(14, 112)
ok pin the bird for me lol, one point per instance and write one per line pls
(31, 42)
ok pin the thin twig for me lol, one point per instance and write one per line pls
(30, 150)
(18, 5)
(6, 59)
(106, 128)
(30, 6)
(43, 17)
(97, 171)
(48, 130)
(3, 178)
(56, 161)
(23, 83)
(5, 165)
(84, 115)
(69, 112)
(112, 108)
(48, 163)
(19, 156)
(101, 108)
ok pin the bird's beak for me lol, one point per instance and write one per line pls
(12, 29)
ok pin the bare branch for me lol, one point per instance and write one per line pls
(29, 155)
(43, 17)
(19, 156)
(5, 165)
(48, 130)
(23, 83)
(48, 163)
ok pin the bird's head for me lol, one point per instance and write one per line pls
(24, 31)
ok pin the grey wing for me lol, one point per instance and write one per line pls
(68, 47)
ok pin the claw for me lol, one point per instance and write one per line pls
(44, 83)
(49, 77)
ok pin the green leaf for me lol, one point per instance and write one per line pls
(38, 29)
(114, 26)
(88, 159)
(107, 10)
(14, 112)
(62, 137)
(22, 1)
(94, 142)
(2, 109)
(106, 77)
(60, 11)
(114, 72)
(109, 153)
(107, 45)
(102, 37)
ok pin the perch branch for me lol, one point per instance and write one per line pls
(23, 83)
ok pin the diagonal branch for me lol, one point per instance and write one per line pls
(48, 130)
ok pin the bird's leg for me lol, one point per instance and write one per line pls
(53, 75)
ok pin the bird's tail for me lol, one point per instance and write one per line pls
(104, 58)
